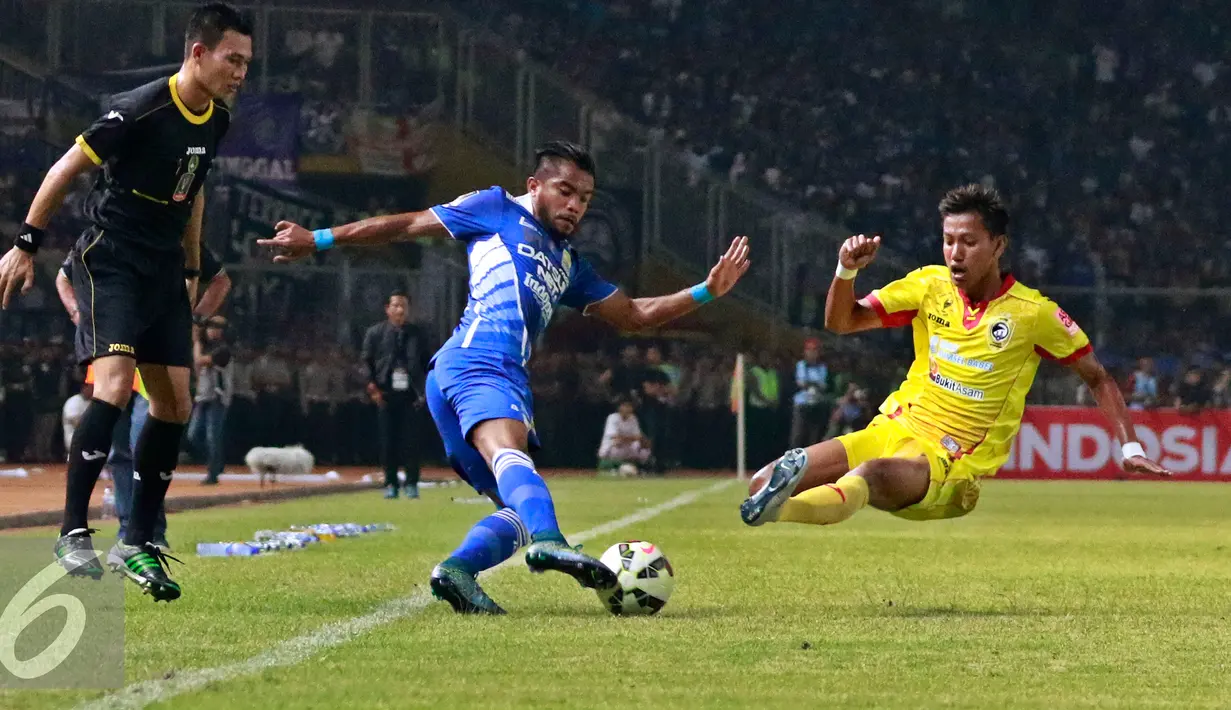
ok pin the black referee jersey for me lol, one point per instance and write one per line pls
(155, 154)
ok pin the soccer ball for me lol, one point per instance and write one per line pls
(645, 578)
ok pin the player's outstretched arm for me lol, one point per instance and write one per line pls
(17, 266)
(632, 314)
(843, 312)
(291, 241)
(1107, 393)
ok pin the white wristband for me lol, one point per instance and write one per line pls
(1130, 450)
(844, 273)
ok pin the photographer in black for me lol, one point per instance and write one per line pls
(396, 354)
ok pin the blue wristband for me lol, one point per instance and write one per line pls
(323, 239)
(701, 294)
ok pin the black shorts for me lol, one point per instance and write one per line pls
(132, 302)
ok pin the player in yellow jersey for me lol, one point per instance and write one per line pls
(979, 337)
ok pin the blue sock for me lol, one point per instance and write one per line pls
(491, 541)
(523, 490)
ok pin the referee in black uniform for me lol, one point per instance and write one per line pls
(137, 276)
(396, 354)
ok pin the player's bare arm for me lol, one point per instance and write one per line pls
(843, 312)
(292, 242)
(1107, 393)
(192, 247)
(17, 266)
(214, 295)
(631, 314)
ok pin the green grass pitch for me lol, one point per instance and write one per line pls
(1050, 595)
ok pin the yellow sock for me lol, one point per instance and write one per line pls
(827, 504)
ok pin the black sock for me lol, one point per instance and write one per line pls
(87, 455)
(158, 450)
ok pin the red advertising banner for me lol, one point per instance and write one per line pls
(1077, 443)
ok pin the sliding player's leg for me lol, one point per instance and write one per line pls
(798, 470)
(883, 465)
(889, 484)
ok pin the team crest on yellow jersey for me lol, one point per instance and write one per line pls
(999, 332)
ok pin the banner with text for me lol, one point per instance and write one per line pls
(1077, 442)
(242, 211)
(262, 142)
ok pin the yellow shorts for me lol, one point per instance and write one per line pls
(954, 487)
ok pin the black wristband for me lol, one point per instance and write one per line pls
(29, 239)
(191, 273)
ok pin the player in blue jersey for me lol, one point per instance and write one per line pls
(478, 390)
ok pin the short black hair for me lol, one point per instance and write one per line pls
(985, 201)
(563, 150)
(397, 292)
(210, 22)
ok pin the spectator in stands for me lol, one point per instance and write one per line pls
(18, 380)
(623, 447)
(851, 413)
(764, 397)
(214, 394)
(271, 374)
(242, 424)
(627, 376)
(810, 405)
(1143, 385)
(48, 390)
(1221, 391)
(1192, 393)
(591, 412)
(317, 385)
(654, 413)
(707, 391)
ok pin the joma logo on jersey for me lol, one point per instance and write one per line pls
(121, 348)
(196, 150)
(938, 320)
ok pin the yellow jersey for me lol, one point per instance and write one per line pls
(974, 362)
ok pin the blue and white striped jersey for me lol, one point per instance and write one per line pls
(519, 273)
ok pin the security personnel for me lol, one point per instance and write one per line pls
(396, 354)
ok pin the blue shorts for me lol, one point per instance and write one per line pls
(468, 387)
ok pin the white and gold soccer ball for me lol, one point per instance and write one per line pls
(645, 578)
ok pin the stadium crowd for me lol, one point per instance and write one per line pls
(1108, 141)
(680, 392)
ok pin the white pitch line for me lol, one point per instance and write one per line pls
(301, 648)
